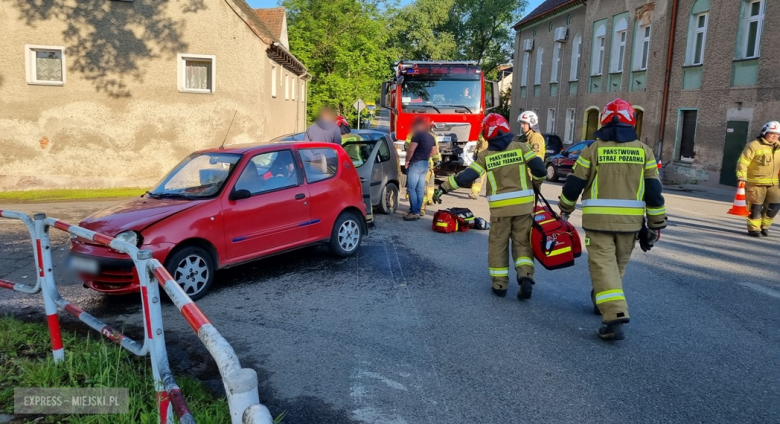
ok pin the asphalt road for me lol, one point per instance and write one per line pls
(409, 332)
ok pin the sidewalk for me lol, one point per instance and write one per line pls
(721, 192)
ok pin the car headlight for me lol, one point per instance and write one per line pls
(130, 236)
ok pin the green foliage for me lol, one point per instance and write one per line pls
(421, 31)
(25, 361)
(504, 107)
(344, 45)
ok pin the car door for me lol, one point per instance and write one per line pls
(570, 156)
(276, 215)
(377, 172)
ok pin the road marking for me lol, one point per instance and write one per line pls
(762, 289)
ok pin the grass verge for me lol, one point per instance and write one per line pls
(25, 361)
(69, 194)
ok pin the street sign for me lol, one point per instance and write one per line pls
(359, 105)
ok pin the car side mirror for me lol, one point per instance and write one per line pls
(240, 194)
(383, 101)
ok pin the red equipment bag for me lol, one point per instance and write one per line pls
(447, 221)
(555, 242)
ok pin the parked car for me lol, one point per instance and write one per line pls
(377, 164)
(553, 145)
(560, 165)
(222, 207)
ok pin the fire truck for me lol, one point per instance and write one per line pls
(454, 95)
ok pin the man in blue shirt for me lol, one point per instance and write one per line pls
(420, 150)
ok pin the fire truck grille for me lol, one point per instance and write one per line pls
(458, 132)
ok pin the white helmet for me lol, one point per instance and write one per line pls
(529, 118)
(771, 127)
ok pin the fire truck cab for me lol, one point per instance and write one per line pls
(454, 95)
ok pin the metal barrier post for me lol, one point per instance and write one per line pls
(46, 275)
(33, 239)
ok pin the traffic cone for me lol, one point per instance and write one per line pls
(740, 206)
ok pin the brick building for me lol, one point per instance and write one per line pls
(573, 56)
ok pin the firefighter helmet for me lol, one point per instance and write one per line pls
(494, 125)
(771, 127)
(341, 120)
(618, 111)
(529, 117)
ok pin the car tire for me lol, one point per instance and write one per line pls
(347, 234)
(193, 268)
(389, 201)
(552, 173)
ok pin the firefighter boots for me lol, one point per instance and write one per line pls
(499, 292)
(612, 330)
(526, 288)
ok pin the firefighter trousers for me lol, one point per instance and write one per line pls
(502, 229)
(608, 255)
(430, 187)
(763, 203)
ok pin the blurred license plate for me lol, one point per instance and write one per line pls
(443, 138)
(86, 265)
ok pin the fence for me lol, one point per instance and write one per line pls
(240, 383)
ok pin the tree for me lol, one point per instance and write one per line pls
(421, 31)
(344, 45)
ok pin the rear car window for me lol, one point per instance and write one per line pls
(319, 164)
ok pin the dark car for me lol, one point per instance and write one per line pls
(560, 165)
(553, 145)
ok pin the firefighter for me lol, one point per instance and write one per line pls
(433, 164)
(346, 131)
(619, 176)
(528, 121)
(758, 167)
(476, 186)
(511, 201)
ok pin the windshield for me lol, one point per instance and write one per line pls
(197, 176)
(441, 96)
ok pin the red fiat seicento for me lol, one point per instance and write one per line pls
(222, 207)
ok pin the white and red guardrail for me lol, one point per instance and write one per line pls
(240, 383)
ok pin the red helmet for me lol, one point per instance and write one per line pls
(619, 111)
(491, 125)
(341, 120)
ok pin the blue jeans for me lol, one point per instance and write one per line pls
(415, 184)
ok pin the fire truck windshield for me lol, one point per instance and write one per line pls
(441, 96)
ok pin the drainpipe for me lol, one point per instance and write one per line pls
(667, 78)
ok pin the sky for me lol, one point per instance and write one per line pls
(273, 3)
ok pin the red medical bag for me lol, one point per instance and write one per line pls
(452, 220)
(555, 242)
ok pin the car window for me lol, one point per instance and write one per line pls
(384, 151)
(198, 175)
(359, 151)
(319, 164)
(577, 149)
(268, 171)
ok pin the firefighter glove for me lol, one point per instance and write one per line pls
(437, 195)
(648, 237)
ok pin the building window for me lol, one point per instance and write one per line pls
(556, 59)
(292, 87)
(286, 86)
(576, 52)
(524, 72)
(697, 39)
(751, 27)
(599, 41)
(568, 137)
(273, 80)
(642, 47)
(197, 73)
(619, 46)
(688, 135)
(303, 91)
(550, 121)
(538, 72)
(45, 64)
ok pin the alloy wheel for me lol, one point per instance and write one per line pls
(349, 235)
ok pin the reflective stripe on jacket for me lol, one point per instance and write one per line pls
(510, 186)
(615, 175)
(759, 163)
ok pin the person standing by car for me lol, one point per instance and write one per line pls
(325, 128)
(418, 156)
(433, 163)
(528, 121)
(511, 201)
(617, 176)
(758, 167)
